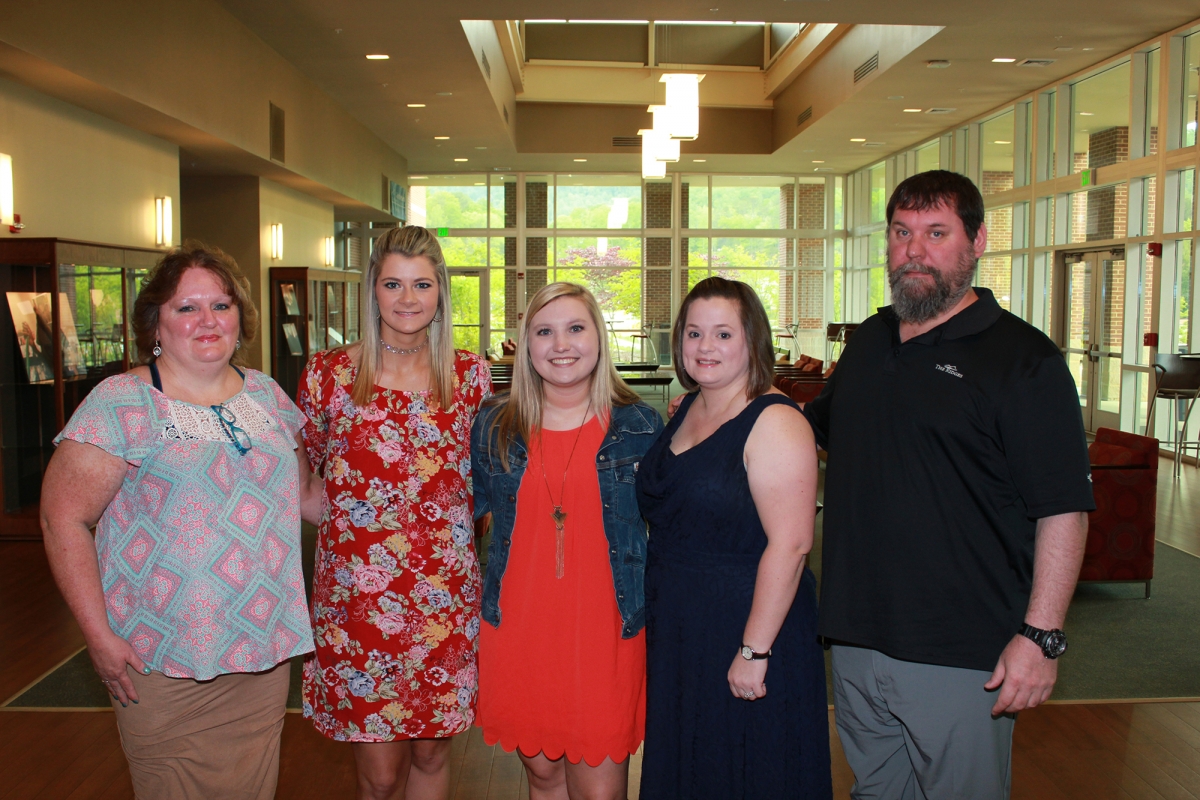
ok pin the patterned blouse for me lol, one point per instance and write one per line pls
(200, 549)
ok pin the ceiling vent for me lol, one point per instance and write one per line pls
(938, 63)
(276, 134)
(487, 68)
(874, 144)
(1036, 62)
(866, 68)
(940, 110)
(627, 141)
(804, 116)
(505, 108)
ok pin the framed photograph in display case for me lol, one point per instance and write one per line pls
(67, 328)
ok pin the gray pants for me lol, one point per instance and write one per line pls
(917, 731)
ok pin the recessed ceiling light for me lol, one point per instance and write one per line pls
(895, 97)
(858, 140)
(460, 159)
(1064, 49)
(580, 159)
(1087, 49)
(816, 161)
(377, 57)
(1086, 114)
(1001, 141)
(1003, 60)
(441, 137)
(445, 94)
(699, 160)
(912, 111)
(479, 183)
(416, 105)
(418, 177)
(481, 147)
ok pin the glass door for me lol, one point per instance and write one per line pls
(1094, 325)
(468, 304)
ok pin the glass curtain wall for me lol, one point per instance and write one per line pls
(638, 245)
(1125, 185)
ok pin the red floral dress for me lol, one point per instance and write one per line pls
(396, 588)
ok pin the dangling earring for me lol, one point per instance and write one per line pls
(437, 317)
(238, 346)
(157, 349)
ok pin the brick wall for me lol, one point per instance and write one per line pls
(995, 182)
(787, 255)
(810, 205)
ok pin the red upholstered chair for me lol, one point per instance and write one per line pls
(1120, 542)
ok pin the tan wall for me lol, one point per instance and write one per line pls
(306, 222)
(481, 34)
(195, 63)
(829, 82)
(235, 213)
(77, 175)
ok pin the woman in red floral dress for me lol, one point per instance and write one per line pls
(396, 589)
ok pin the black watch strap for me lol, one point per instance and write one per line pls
(1052, 642)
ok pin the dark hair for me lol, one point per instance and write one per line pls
(163, 281)
(755, 325)
(939, 187)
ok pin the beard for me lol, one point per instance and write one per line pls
(915, 301)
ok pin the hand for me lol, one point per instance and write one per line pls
(748, 679)
(1024, 676)
(111, 658)
(673, 406)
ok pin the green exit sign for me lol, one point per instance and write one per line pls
(1085, 178)
(446, 231)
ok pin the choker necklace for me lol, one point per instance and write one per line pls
(560, 516)
(401, 351)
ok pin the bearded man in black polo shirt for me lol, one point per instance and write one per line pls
(955, 498)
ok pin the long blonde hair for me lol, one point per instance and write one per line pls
(410, 241)
(520, 411)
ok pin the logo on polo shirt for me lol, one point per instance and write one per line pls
(949, 369)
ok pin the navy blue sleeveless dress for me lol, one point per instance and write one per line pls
(705, 544)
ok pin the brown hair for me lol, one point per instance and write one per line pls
(520, 411)
(939, 187)
(163, 281)
(410, 241)
(755, 325)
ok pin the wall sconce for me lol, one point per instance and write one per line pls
(329, 252)
(6, 190)
(164, 222)
(276, 240)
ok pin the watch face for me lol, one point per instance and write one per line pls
(1055, 644)
(747, 653)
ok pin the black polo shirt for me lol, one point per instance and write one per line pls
(944, 451)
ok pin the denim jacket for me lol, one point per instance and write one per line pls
(631, 431)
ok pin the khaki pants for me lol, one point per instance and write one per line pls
(213, 739)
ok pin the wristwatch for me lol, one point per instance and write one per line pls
(749, 654)
(1052, 642)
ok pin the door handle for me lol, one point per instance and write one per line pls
(1094, 353)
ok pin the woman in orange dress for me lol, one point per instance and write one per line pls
(562, 679)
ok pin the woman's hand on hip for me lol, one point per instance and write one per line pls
(748, 679)
(111, 656)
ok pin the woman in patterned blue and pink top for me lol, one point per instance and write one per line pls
(191, 596)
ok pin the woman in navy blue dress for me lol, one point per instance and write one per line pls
(735, 704)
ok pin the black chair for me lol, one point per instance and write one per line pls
(1176, 377)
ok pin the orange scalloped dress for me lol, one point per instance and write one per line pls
(556, 677)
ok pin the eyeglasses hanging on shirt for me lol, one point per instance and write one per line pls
(239, 437)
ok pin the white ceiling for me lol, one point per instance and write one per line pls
(430, 56)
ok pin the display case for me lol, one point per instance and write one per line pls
(311, 310)
(65, 329)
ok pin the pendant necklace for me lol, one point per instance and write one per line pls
(560, 516)
(401, 351)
